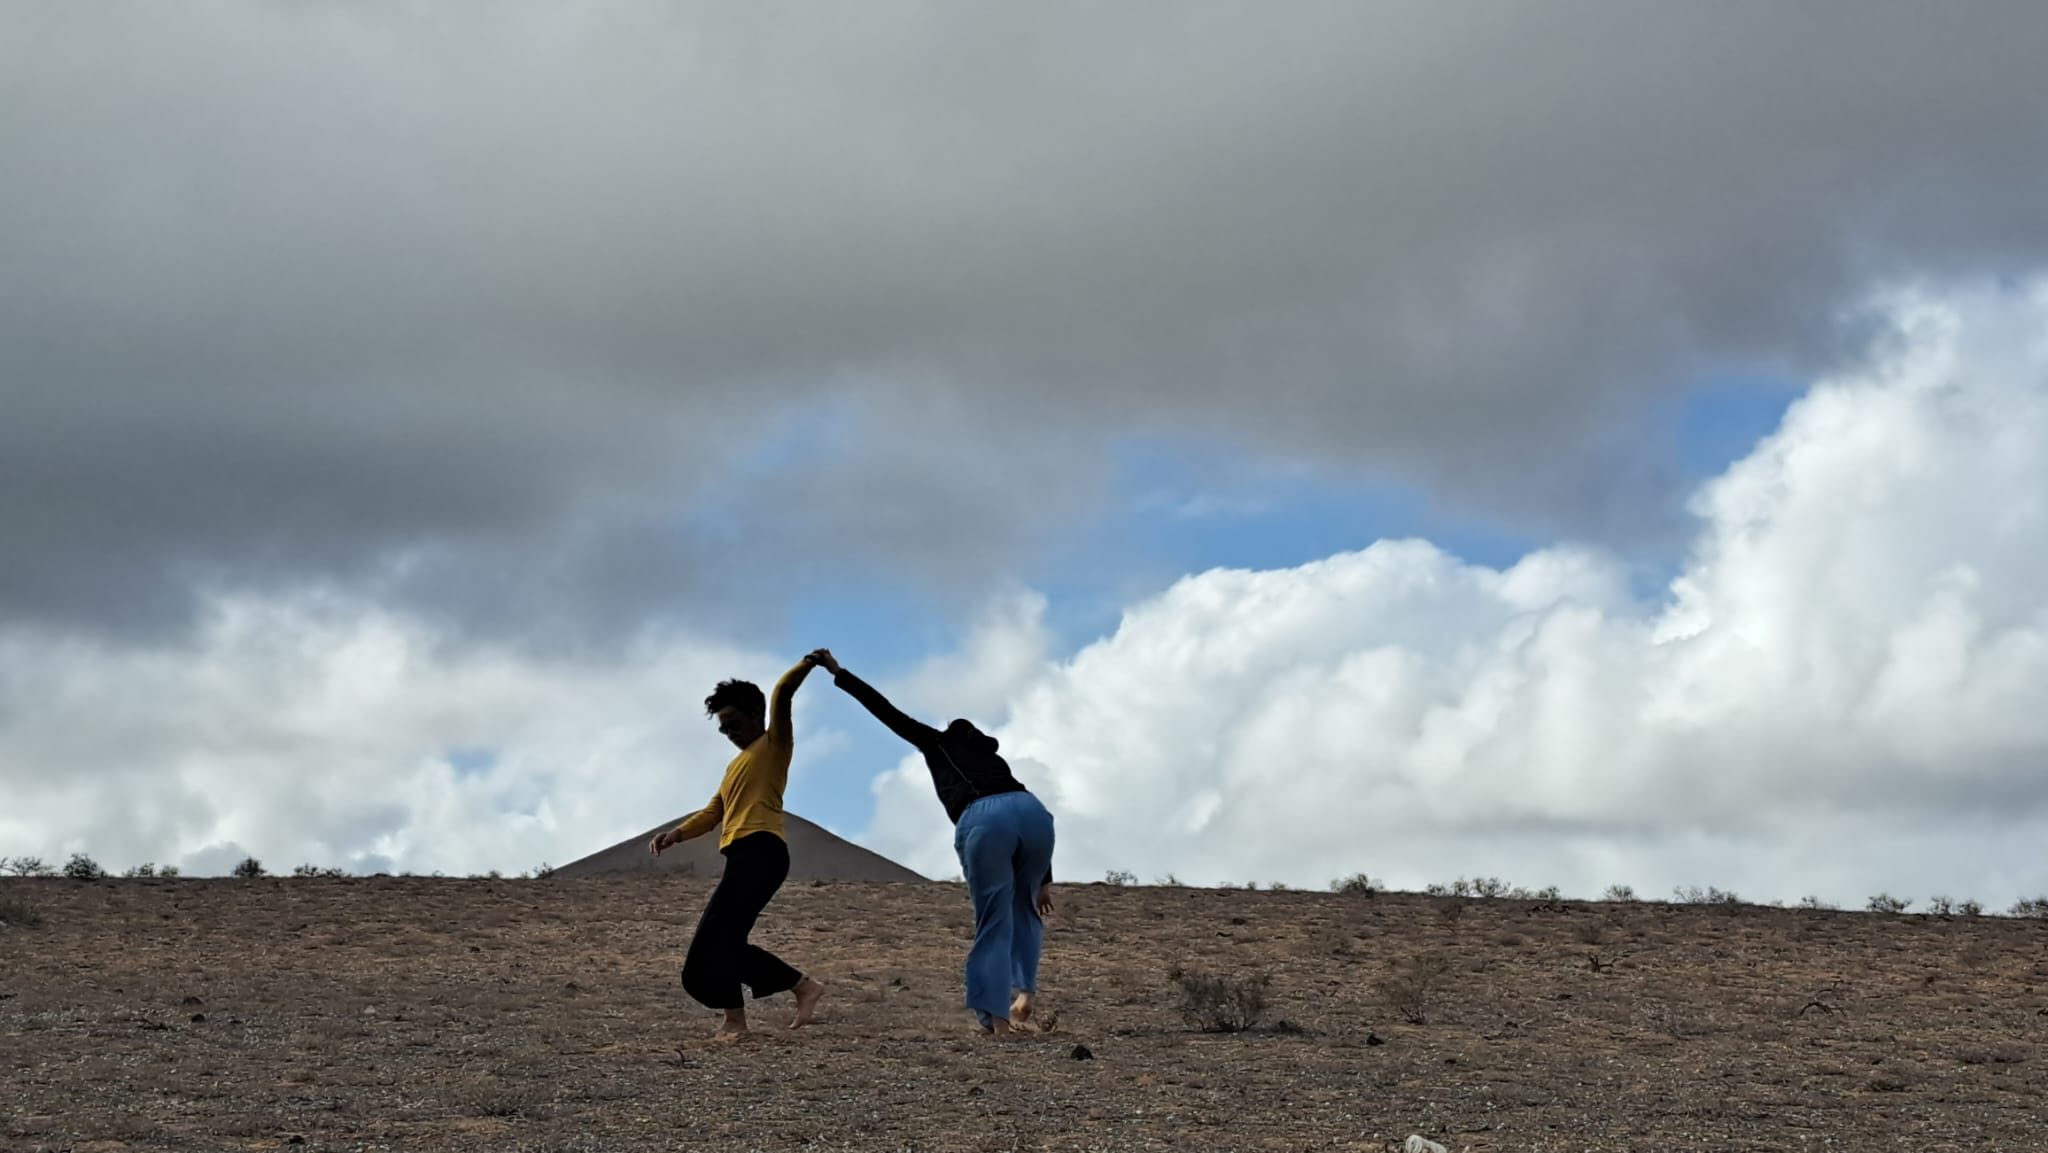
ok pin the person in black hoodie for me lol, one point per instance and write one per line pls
(1004, 838)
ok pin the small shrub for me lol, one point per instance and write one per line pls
(1357, 884)
(1968, 908)
(1120, 877)
(249, 869)
(1410, 989)
(1886, 903)
(27, 867)
(301, 871)
(539, 872)
(1811, 902)
(2033, 907)
(16, 914)
(1941, 906)
(1277, 887)
(1169, 881)
(1618, 893)
(83, 868)
(1694, 895)
(145, 869)
(167, 871)
(1218, 1004)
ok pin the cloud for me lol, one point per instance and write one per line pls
(335, 733)
(1840, 694)
(465, 311)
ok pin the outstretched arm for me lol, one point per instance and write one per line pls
(695, 825)
(779, 705)
(916, 732)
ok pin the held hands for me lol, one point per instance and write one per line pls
(823, 659)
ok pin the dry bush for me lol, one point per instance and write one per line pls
(1451, 910)
(18, 914)
(1412, 986)
(1219, 1004)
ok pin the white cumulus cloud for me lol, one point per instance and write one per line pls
(336, 733)
(1840, 693)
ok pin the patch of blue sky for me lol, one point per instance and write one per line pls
(471, 760)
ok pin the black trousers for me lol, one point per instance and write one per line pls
(720, 958)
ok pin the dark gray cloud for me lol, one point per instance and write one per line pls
(473, 305)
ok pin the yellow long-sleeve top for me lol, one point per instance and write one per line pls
(749, 799)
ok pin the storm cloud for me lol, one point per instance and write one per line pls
(470, 308)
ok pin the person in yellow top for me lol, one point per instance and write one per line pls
(748, 808)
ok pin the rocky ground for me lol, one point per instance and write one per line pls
(428, 1014)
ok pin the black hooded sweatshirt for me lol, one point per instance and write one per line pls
(962, 759)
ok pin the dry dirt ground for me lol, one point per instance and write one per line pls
(426, 1014)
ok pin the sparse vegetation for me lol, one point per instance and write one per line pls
(1694, 895)
(145, 869)
(19, 914)
(1812, 902)
(1886, 903)
(1120, 877)
(539, 872)
(1357, 884)
(26, 867)
(1169, 881)
(83, 868)
(1969, 908)
(1493, 888)
(1218, 1004)
(1410, 989)
(249, 869)
(1619, 893)
(2035, 907)
(305, 871)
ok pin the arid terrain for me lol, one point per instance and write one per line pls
(429, 1014)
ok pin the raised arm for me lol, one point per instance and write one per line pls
(916, 732)
(779, 705)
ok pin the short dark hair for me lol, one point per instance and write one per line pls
(745, 696)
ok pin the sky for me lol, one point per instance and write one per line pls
(1596, 444)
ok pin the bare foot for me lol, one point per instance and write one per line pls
(1001, 1029)
(809, 992)
(735, 1027)
(1020, 1009)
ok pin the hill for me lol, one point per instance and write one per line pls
(545, 1017)
(815, 854)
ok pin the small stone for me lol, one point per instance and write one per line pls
(1374, 1039)
(199, 1018)
(295, 1139)
(191, 1001)
(1082, 1053)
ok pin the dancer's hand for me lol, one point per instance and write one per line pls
(1045, 900)
(662, 840)
(823, 659)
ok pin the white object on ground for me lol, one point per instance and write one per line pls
(1416, 1144)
